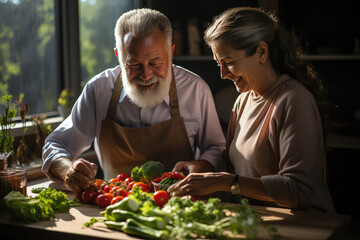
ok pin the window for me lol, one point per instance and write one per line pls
(28, 53)
(97, 19)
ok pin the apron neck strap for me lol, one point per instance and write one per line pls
(114, 100)
(174, 102)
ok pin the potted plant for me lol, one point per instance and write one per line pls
(65, 103)
(10, 179)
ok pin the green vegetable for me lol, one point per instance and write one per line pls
(57, 199)
(148, 209)
(149, 170)
(153, 222)
(38, 190)
(135, 228)
(141, 196)
(128, 203)
(37, 208)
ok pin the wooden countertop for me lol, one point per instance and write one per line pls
(290, 224)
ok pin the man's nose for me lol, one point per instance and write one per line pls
(146, 73)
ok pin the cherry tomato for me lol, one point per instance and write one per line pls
(114, 180)
(144, 187)
(130, 186)
(122, 176)
(79, 195)
(107, 188)
(161, 197)
(118, 191)
(88, 196)
(104, 200)
(157, 180)
(128, 180)
(98, 193)
(116, 199)
(165, 175)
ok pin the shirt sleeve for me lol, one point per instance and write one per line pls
(211, 140)
(75, 134)
(301, 154)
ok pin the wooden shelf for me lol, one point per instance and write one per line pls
(311, 57)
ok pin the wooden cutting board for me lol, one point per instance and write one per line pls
(290, 224)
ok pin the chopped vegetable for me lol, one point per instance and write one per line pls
(38, 208)
(132, 226)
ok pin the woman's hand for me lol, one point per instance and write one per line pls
(77, 174)
(198, 184)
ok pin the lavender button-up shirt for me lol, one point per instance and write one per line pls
(77, 132)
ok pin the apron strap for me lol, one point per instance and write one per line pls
(174, 102)
(114, 100)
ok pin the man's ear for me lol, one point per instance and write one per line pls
(116, 53)
(262, 52)
(172, 50)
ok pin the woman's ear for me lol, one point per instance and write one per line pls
(262, 52)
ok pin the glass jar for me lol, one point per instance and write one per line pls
(11, 179)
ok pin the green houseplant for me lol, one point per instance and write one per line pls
(65, 103)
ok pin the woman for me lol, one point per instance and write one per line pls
(275, 147)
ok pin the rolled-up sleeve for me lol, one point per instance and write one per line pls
(74, 135)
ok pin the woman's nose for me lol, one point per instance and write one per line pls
(224, 71)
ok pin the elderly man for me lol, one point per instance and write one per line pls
(144, 109)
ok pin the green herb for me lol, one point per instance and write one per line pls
(32, 209)
(38, 190)
(6, 141)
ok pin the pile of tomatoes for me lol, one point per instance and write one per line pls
(105, 193)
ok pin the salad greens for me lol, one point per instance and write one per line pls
(33, 209)
(182, 219)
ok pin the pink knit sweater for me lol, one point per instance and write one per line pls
(277, 137)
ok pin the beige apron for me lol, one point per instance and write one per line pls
(124, 148)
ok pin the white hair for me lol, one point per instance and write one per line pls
(141, 22)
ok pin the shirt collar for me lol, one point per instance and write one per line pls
(124, 94)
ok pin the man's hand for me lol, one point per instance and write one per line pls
(196, 166)
(77, 174)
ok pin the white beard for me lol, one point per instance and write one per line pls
(147, 98)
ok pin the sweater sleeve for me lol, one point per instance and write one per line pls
(301, 156)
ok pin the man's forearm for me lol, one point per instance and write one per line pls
(59, 167)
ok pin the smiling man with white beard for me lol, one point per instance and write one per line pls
(144, 109)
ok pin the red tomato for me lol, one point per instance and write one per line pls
(98, 193)
(144, 187)
(114, 180)
(107, 188)
(104, 200)
(79, 195)
(131, 185)
(166, 174)
(88, 196)
(157, 180)
(122, 176)
(128, 180)
(161, 197)
(116, 199)
(177, 175)
(118, 191)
